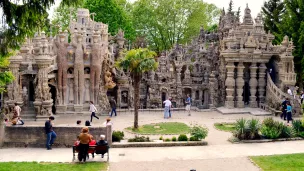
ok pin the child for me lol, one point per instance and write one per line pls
(289, 112)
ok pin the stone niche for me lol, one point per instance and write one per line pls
(34, 136)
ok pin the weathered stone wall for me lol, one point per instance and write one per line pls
(34, 136)
(2, 127)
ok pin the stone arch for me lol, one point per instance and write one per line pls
(87, 70)
(273, 69)
(206, 98)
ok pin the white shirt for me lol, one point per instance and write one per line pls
(18, 110)
(167, 103)
(289, 92)
(92, 108)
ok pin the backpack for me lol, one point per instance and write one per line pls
(87, 123)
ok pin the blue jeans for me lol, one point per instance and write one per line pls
(50, 138)
(166, 112)
(113, 110)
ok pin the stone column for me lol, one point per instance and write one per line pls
(178, 79)
(240, 84)
(212, 90)
(200, 97)
(118, 97)
(43, 99)
(262, 82)
(230, 85)
(15, 94)
(253, 83)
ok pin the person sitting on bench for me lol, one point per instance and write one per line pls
(102, 142)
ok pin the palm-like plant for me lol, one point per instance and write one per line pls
(137, 62)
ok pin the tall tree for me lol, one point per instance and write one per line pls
(137, 62)
(292, 25)
(230, 7)
(111, 13)
(167, 22)
(272, 11)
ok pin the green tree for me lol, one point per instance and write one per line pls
(292, 25)
(230, 7)
(111, 13)
(137, 62)
(167, 22)
(272, 11)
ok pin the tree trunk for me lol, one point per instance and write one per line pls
(136, 99)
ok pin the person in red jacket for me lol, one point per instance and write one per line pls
(92, 143)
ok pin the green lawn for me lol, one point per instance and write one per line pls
(34, 166)
(290, 162)
(162, 128)
(225, 126)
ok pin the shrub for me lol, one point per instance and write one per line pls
(269, 122)
(161, 138)
(297, 126)
(253, 128)
(173, 138)
(117, 136)
(167, 139)
(270, 132)
(139, 139)
(182, 137)
(240, 129)
(198, 132)
(193, 139)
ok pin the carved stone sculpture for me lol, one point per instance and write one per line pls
(79, 69)
(62, 67)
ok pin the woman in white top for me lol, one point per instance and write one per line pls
(93, 110)
(167, 108)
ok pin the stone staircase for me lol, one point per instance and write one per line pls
(28, 114)
(274, 97)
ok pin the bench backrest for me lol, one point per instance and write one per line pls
(101, 149)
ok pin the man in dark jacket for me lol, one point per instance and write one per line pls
(50, 134)
(113, 106)
(284, 108)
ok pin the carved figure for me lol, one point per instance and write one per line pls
(79, 69)
(62, 66)
(108, 80)
(98, 52)
(71, 92)
(87, 91)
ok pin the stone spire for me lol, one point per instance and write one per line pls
(247, 20)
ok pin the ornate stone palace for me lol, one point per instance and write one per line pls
(62, 74)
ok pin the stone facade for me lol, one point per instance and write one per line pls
(227, 68)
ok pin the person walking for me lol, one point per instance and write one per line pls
(167, 108)
(113, 106)
(289, 112)
(84, 139)
(188, 105)
(50, 134)
(93, 110)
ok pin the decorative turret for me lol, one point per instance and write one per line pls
(247, 20)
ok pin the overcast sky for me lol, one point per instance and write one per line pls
(255, 5)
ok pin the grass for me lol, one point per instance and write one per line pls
(225, 126)
(162, 128)
(290, 162)
(34, 166)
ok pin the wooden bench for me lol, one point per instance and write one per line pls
(94, 150)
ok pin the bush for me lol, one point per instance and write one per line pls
(198, 132)
(173, 138)
(117, 136)
(273, 129)
(253, 128)
(139, 139)
(297, 126)
(167, 139)
(241, 129)
(161, 138)
(182, 137)
(193, 139)
(270, 132)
